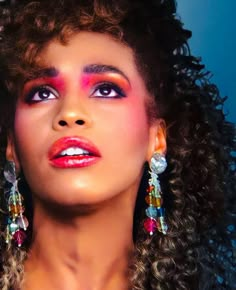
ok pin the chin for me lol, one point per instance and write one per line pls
(74, 202)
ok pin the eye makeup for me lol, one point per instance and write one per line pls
(41, 93)
(103, 69)
(97, 81)
(107, 90)
(42, 89)
(108, 81)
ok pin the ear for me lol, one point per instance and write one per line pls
(11, 154)
(157, 138)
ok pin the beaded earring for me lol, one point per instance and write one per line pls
(17, 223)
(155, 212)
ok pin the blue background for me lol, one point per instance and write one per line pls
(213, 23)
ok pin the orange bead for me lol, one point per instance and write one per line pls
(148, 199)
(152, 200)
(16, 209)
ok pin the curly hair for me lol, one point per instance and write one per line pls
(199, 183)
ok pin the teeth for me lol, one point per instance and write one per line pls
(74, 151)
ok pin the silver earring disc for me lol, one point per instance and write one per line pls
(158, 163)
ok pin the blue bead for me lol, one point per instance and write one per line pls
(161, 211)
(151, 212)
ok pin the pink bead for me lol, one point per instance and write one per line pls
(19, 236)
(150, 225)
(22, 222)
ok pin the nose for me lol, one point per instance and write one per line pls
(72, 112)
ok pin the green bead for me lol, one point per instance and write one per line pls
(13, 227)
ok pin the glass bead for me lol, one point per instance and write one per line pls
(150, 188)
(151, 212)
(160, 211)
(158, 202)
(158, 163)
(158, 186)
(152, 200)
(22, 222)
(154, 181)
(13, 227)
(15, 198)
(16, 209)
(150, 225)
(19, 236)
(149, 199)
(9, 172)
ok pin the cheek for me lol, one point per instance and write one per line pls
(22, 126)
(135, 118)
(128, 127)
(28, 131)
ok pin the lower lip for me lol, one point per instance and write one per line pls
(74, 161)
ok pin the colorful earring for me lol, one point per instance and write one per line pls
(17, 223)
(155, 212)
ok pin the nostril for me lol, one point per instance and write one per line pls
(80, 122)
(62, 123)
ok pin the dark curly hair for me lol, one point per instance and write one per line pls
(199, 183)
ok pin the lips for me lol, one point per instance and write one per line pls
(73, 152)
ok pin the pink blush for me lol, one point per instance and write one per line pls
(56, 82)
(85, 81)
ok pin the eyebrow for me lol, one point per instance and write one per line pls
(102, 69)
(88, 69)
(42, 73)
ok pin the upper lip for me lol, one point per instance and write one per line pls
(66, 142)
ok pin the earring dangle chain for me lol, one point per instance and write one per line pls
(155, 212)
(17, 223)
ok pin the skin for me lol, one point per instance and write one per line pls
(83, 217)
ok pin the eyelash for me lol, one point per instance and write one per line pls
(40, 89)
(110, 87)
(119, 93)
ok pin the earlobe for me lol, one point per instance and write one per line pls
(157, 139)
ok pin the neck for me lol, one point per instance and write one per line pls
(88, 251)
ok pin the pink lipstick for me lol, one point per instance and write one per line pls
(73, 152)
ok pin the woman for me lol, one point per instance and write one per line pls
(97, 98)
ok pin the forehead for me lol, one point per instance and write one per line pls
(84, 48)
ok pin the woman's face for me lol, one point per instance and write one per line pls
(82, 134)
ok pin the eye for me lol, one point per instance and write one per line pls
(108, 90)
(41, 93)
